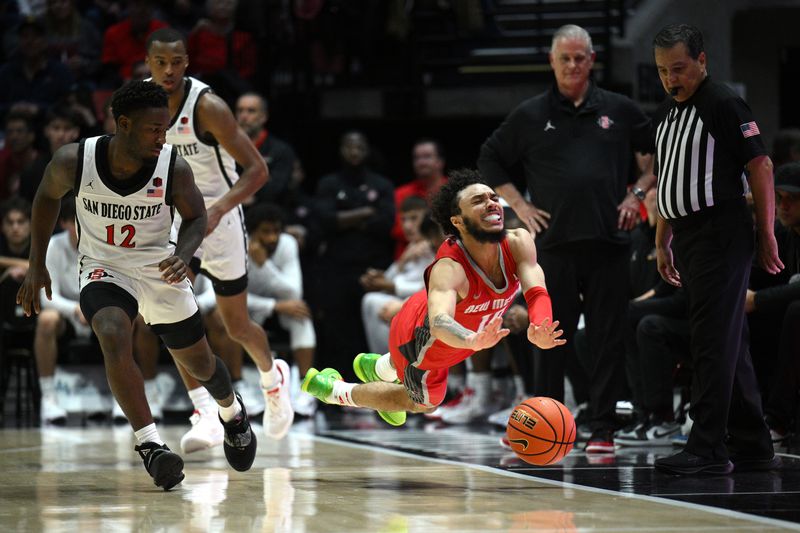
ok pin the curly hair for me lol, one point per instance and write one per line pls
(137, 95)
(445, 204)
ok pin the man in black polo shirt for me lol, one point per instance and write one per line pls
(707, 147)
(576, 143)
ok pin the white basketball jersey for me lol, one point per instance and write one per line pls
(127, 223)
(213, 167)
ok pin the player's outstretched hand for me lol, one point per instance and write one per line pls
(173, 269)
(545, 335)
(28, 293)
(488, 336)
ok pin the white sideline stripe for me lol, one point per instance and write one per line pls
(488, 469)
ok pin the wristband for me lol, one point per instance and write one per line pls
(539, 305)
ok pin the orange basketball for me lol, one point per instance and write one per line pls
(541, 431)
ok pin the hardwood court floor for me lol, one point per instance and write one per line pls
(356, 475)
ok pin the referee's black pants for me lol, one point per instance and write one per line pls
(593, 278)
(713, 251)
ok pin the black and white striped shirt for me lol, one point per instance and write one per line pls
(702, 148)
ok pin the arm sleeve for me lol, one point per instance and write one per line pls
(739, 128)
(61, 272)
(282, 273)
(504, 148)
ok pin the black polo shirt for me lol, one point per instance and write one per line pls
(578, 161)
(702, 147)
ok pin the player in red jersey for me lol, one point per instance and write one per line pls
(473, 280)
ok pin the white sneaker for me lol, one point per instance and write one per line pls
(206, 432)
(500, 418)
(472, 407)
(304, 405)
(251, 397)
(278, 414)
(51, 412)
(455, 403)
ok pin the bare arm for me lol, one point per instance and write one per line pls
(217, 119)
(546, 334)
(629, 207)
(188, 200)
(447, 279)
(760, 170)
(666, 264)
(58, 179)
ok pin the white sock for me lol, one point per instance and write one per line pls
(148, 434)
(456, 382)
(201, 399)
(269, 379)
(385, 369)
(229, 413)
(342, 393)
(481, 383)
(48, 387)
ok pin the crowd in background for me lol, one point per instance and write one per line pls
(358, 241)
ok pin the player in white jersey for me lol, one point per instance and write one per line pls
(127, 187)
(206, 133)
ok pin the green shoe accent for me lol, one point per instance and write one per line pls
(364, 367)
(395, 418)
(320, 383)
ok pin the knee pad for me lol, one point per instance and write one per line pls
(219, 385)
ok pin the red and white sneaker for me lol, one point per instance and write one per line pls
(279, 413)
(601, 441)
(452, 404)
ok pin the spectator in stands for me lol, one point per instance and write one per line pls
(355, 207)
(252, 113)
(19, 152)
(62, 314)
(428, 162)
(62, 126)
(124, 42)
(31, 76)
(72, 39)
(221, 55)
(786, 147)
(779, 307)
(576, 143)
(275, 287)
(386, 290)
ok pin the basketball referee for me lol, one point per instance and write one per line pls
(708, 150)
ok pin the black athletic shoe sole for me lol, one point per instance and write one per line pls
(756, 465)
(167, 469)
(715, 469)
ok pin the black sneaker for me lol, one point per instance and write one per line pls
(164, 466)
(240, 441)
(755, 464)
(686, 463)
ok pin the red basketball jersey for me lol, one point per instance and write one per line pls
(410, 332)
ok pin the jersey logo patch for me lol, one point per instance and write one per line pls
(605, 122)
(549, 126)
(183, 128)
(90, 185)
(98, 273)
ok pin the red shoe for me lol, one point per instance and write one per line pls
(601, 441)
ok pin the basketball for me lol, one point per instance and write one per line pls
(541, 431)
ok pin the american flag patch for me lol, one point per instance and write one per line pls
(184, 130)
(155, 193)
(749, 129)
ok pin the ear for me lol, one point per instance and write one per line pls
(701, 58)
(457, 221)
(124, 123)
